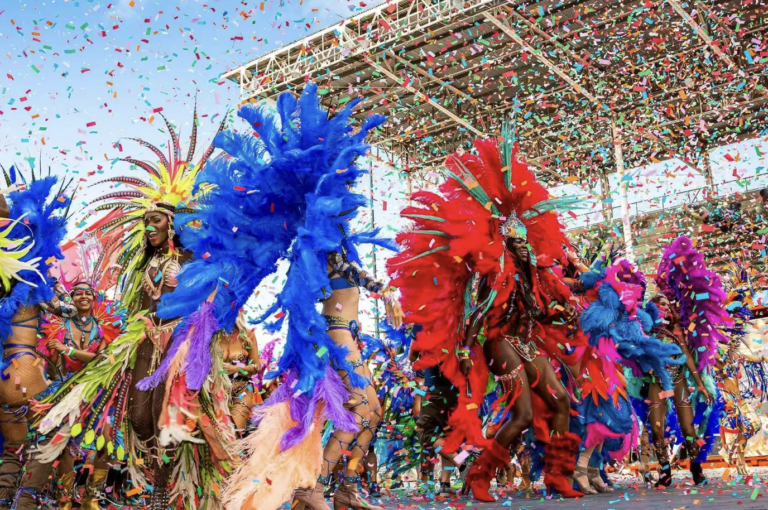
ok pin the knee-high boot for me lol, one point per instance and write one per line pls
(560, 462)
(33, 479)
(484, 469)
(692, 447)
(95, 481)
(665, 470)
(65, 488)
(13, 458)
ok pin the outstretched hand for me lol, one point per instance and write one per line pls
(394, 310)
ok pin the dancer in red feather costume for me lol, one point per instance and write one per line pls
(476, 265)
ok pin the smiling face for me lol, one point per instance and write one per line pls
(156, 225)
(668, 311)
(519, 248)
(82, 296)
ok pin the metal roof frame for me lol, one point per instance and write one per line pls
(678, 78)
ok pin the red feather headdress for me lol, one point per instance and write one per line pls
(456, 240)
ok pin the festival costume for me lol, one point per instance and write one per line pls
(28, 245)
(397, 445)
(699, 296)
(189, 455)
(741, 378)
(458, 240)
(106, 322)
(617, 325)
(282, 193)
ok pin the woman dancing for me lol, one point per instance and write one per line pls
(617, 326)
(156, 427)
(30, 242)
(476, 273)
(71, 342)
(286, 194)
(686, 285)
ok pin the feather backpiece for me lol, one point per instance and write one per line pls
(42, 218)
(684, 278)
(617, 339)
(281, 191)
(455, 241)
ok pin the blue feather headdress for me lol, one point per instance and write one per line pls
(41, 217)
(280, 192)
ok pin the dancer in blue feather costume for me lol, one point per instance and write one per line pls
(613, 321)
(689, 313)
(286, 193)
(29, 242)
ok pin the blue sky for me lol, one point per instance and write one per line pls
(77, 76)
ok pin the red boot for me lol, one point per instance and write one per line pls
(559, 464)
(484, 469)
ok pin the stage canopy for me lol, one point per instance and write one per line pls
(591, 87)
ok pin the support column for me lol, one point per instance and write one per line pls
(376, 310)
(605, 190)
(408, 188)
(708, 173)
(623, 200)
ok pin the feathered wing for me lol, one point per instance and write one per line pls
(38, 223)
(617, 339)
(683, 277)
(454, 242)
(280, 191)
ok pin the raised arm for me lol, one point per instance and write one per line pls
(473, 330)
(61, 304)
(353, 273)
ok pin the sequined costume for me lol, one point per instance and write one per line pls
(177, 435)
(458, 243)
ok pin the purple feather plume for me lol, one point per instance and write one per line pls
(683, 277)
(198, 329)
(330, 390)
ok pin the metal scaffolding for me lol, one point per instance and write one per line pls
(672, 79)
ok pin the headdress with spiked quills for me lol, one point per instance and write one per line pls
(169, 190)
(29, 242)
(458, 238)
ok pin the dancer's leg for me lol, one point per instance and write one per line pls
(65, 480)
(366, 436)
(241, 405)
(13, 426)
(594, 471)
(551, 390)
(139, 406)
(95, 483)
(560, 456)
(581, 474)
(508, 365)
(364, 404)
(685, 417)
(657, 410)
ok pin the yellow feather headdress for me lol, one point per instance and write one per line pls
(11, 252)
(168, 189)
